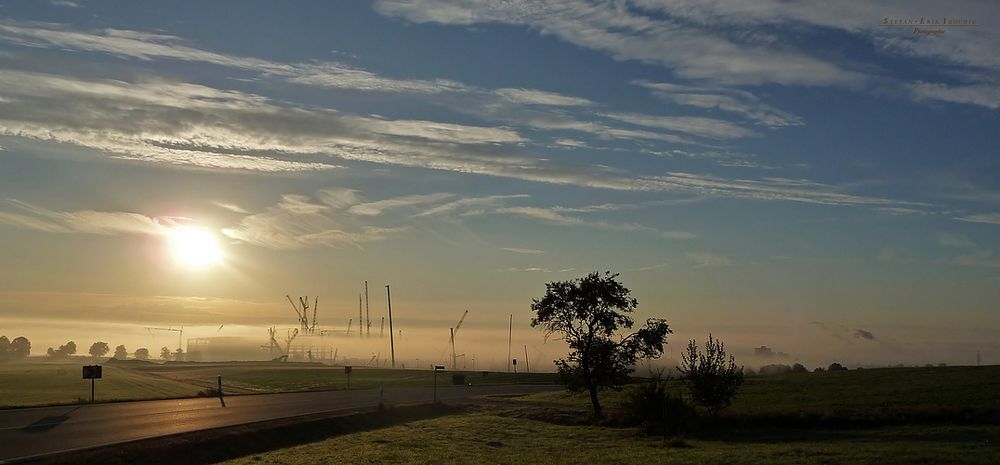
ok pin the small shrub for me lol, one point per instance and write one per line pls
(712, 380)
(774, 369)
(651, 407)
(799, 368)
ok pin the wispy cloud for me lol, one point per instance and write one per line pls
(987, 95)
(553, 216)
(652, 267)
(230, 206)
(953, 240)
(297, 222)
(522, 251)
(538, 97)
(978, 259)
(471, 204)
(708, 260)
(29, 216)
(739, 102)
(990, 218)
(376, 208)
(630, 34)
(696, 126)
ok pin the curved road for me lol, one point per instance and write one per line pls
(45, 430)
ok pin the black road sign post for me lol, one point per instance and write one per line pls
(437, 368)
(515, 367)
(92, 372)
(221, 400)
(347, 371)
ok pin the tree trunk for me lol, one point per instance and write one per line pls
(598, 413)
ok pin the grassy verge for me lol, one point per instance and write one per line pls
(44, 382)
(891, 395)
(499, 437)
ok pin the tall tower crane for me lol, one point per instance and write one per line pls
(454, 331)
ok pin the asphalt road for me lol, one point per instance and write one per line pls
(44, 430)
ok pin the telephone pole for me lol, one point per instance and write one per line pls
(368, 317)
(510, 332)
(392, 344)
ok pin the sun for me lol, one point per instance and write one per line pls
(194, 247)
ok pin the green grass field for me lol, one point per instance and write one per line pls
(493, 437)
(43, 382)
(856, 393)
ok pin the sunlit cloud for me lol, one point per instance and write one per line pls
(297, 222)
(628, 34)
(29, 216)
(539, 97)
(376, 208)
(230, 206)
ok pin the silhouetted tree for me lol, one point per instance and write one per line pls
(712, 381)
(64, 350)
(179, 355)
(4, 348)
(99, 349)
(836, 367)
(165, 353)
(121, 353)
(20, 348)
(799, 368)
(142, 353)
(587, 313)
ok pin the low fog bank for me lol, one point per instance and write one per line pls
(482, 345)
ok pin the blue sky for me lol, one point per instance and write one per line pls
(781, 173)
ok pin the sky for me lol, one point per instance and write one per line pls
(820, 177)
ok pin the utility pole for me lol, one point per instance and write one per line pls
(527, 369)
(392, 344)
(361, 330)
(510, 332)
(368, 318)
(381, 329)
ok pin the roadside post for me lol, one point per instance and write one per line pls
(437, 368)
(347, 371)
(515, 368)
(221, 400)
(92, 372)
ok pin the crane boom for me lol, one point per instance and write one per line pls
(297, 312)
(460, 320)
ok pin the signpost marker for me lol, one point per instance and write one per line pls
(437, 368)
(347, 370)
(92, 372)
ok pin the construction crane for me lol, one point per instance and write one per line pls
(272, 344)
(289, 337)
(315, 306)
(454, 331)
(180, 334)
(302, 312)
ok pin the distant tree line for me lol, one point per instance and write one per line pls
(99, 349)
(18, 349)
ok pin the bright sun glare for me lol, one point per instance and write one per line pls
(194, 247)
